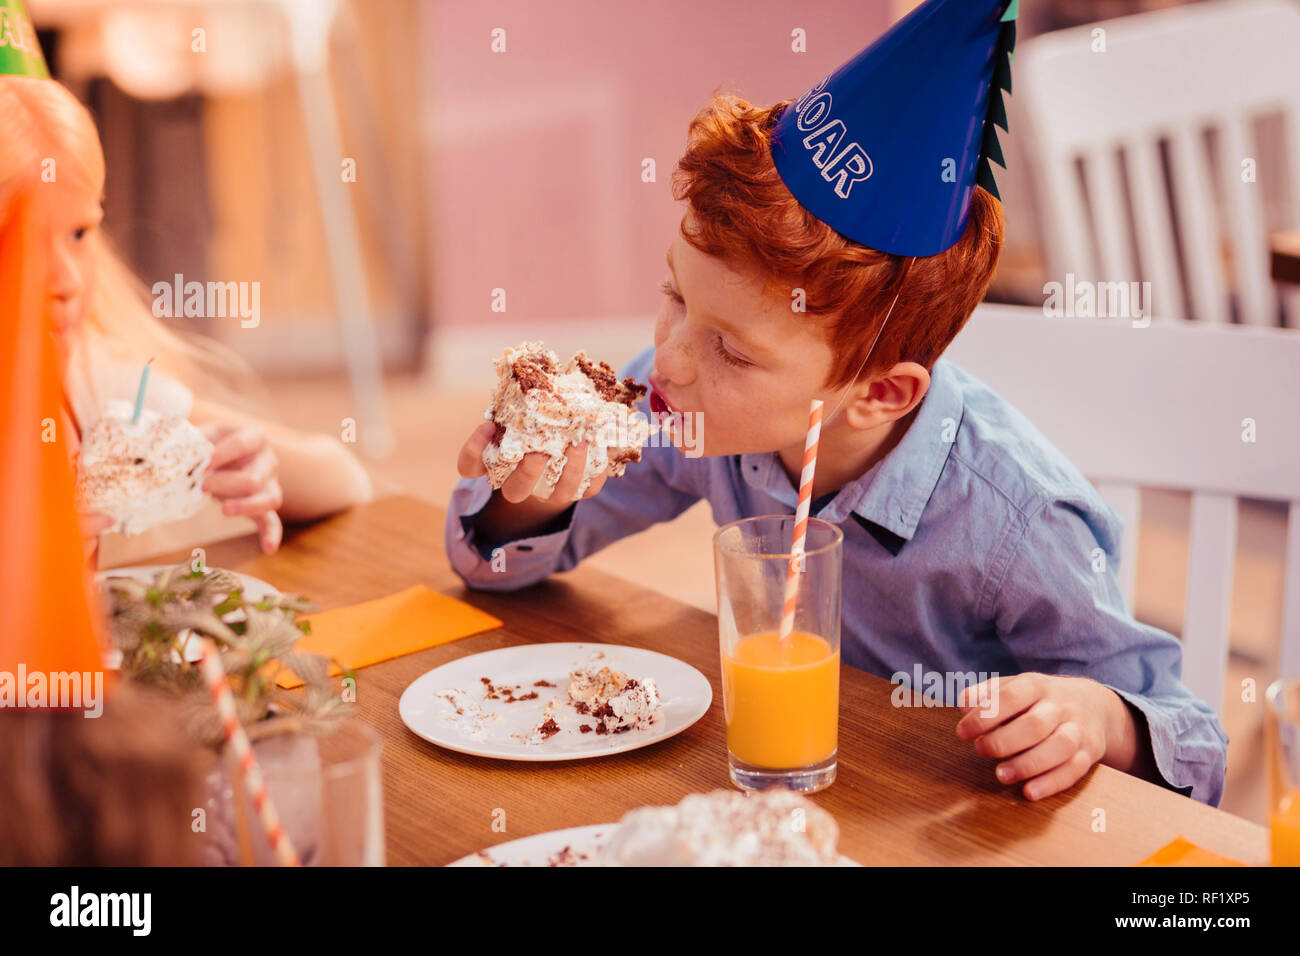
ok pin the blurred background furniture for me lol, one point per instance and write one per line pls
(1285, 248)
(1149, 137)
(155, 72)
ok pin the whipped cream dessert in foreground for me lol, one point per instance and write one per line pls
(726, 828)
(142, 474)
(537, 407)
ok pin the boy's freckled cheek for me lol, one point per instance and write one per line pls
(728, 403)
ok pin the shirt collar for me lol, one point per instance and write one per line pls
(893, 492)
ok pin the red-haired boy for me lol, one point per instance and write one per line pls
(969, 540)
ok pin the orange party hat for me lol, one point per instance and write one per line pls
(47, 622)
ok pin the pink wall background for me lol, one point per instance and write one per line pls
(536, 152)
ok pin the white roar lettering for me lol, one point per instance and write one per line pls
(826, 139)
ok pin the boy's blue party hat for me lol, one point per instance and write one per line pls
(888, 149)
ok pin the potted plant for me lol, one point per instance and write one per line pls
(155, 625)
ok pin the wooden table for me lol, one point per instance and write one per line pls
(909, 791)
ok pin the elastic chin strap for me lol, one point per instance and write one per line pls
(902, 275)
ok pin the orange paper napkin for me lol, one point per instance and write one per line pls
(401, 623)
(1183, 852)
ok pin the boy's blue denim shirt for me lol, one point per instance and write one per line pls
(974, 545)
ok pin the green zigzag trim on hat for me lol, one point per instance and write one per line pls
(991, 149)
(20, 51)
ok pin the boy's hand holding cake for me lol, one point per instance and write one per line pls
(553, 435)
(539, 408)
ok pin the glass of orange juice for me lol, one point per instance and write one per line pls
(1283, 727)
(780, 694)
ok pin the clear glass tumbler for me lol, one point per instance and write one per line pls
(327, 791)
(780, 694)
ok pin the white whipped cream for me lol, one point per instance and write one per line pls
(726, 828)
(142, 474)
(563, 407)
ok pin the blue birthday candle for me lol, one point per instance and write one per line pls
(139, 392)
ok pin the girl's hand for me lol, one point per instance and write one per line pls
(1045, 729)
(243, 477)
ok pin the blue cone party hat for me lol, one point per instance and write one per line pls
(888, 149)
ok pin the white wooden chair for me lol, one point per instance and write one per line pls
(1163, 406)
(1166, 82)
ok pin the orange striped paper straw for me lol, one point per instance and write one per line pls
(215, 676)
(801, 517)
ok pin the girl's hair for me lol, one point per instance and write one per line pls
(744, 214)
(119, 790)
(50, 138)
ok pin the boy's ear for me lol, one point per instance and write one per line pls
(887, 397)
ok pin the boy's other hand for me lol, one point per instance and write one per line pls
(522, 482)
(1045, 729)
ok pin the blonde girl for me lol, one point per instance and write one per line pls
(105, 332)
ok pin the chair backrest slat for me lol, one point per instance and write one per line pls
(1189, 170)
(1289, 659)
(1155, 231)
(1291, 137)
(1212, 547)
(1244, 209)
(1108, 207)
(1067, 201)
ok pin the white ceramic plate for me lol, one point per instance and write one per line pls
(255, 589)
(576, 846)
(542, 849)
(683, 690)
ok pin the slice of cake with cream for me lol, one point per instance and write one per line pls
(540, 407)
